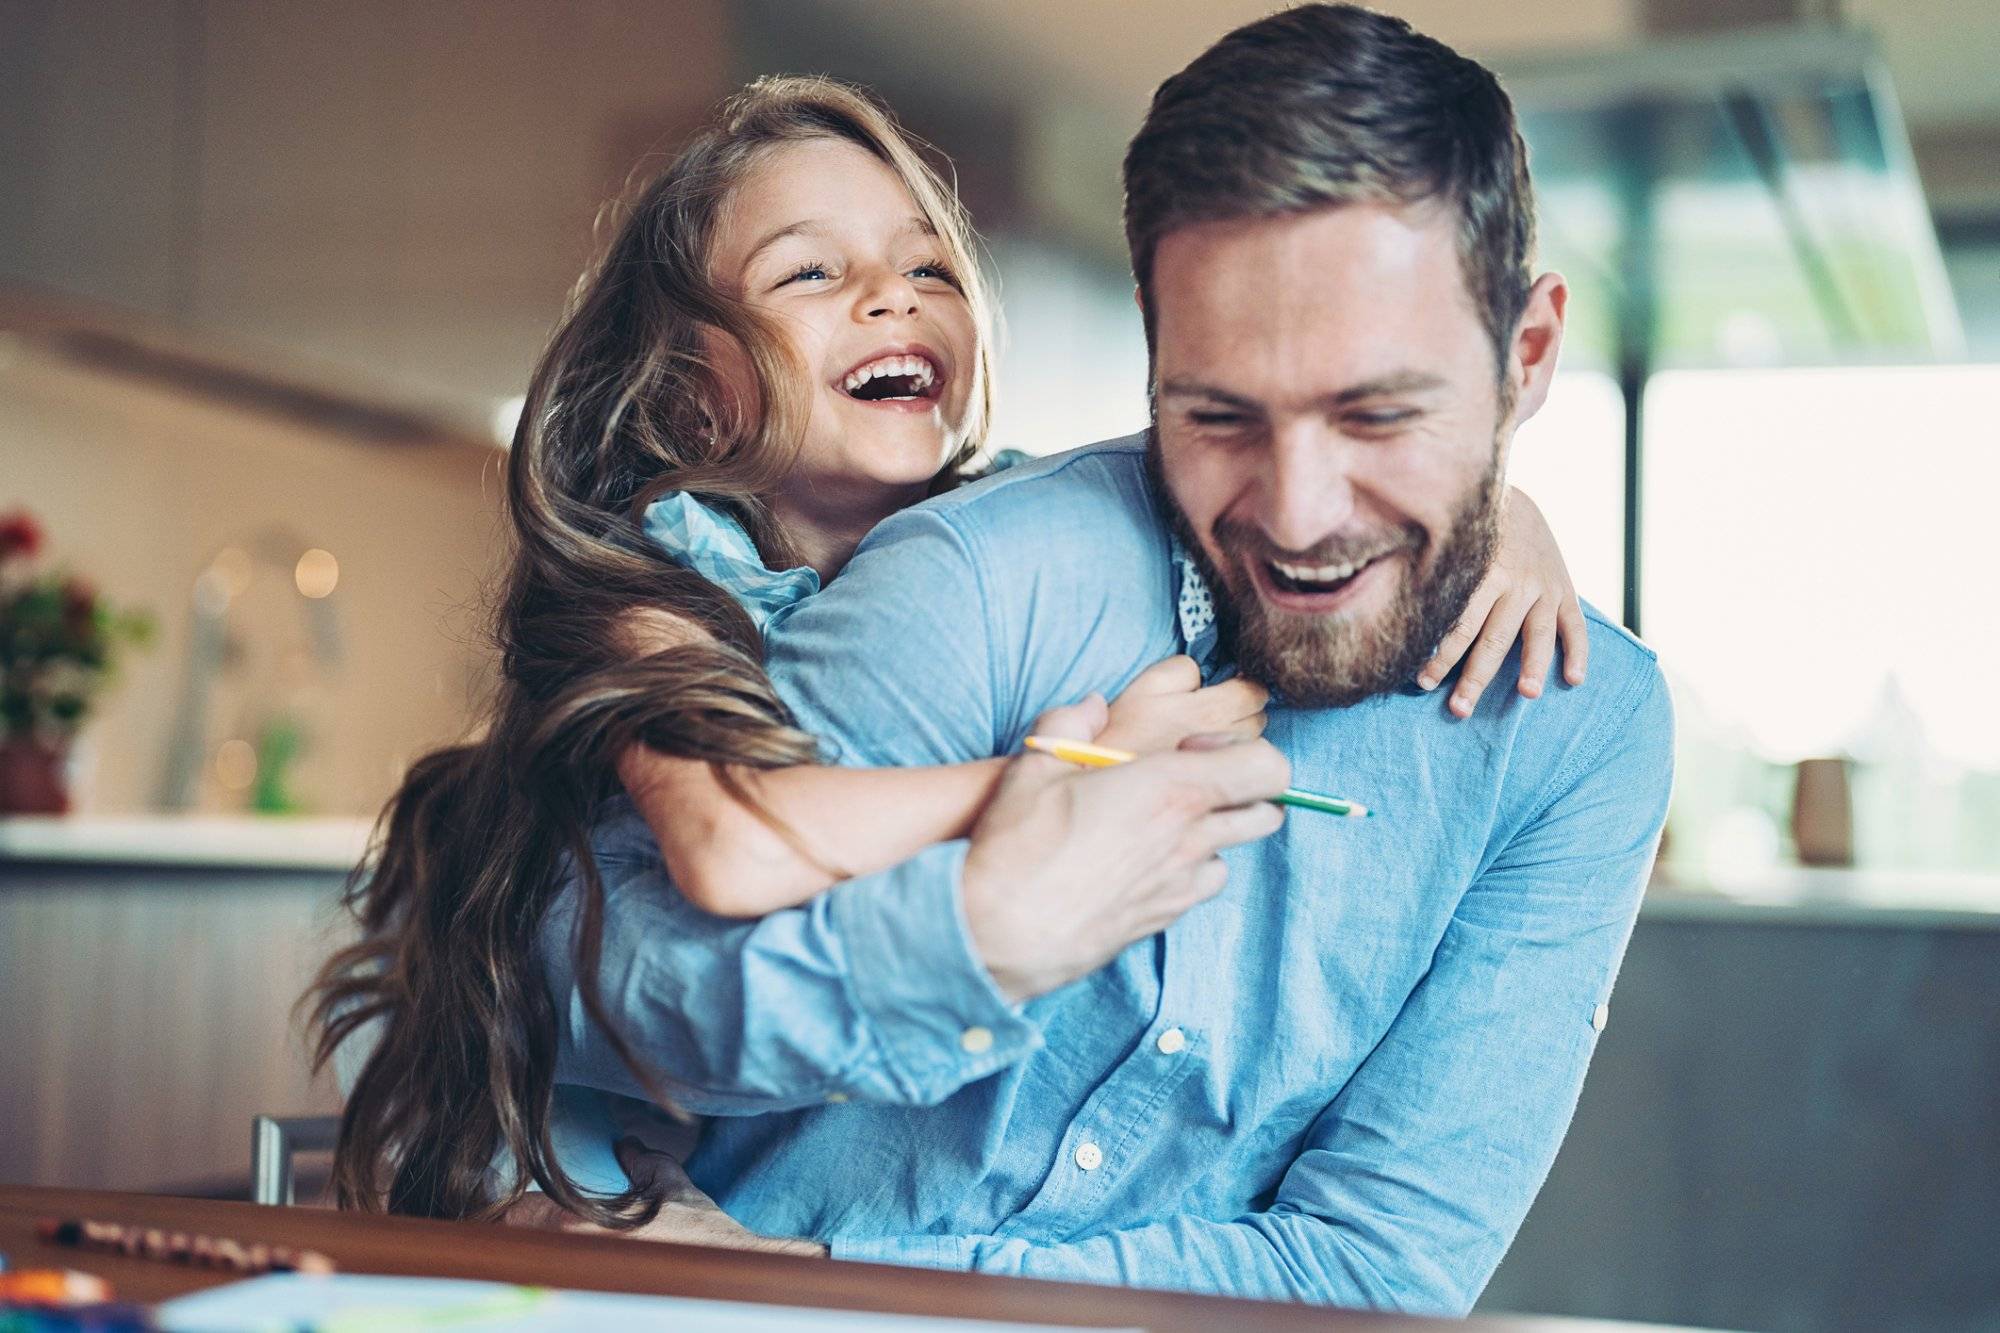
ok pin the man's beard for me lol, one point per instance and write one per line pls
(1330, 661)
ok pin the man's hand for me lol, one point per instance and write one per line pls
(686, 1217)
(1068, 866)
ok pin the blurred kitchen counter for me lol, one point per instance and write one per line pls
(275, 842)
(1835, 896)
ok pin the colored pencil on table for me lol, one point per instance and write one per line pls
(180, 1247)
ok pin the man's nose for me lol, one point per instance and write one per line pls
(884, 294)
(1309, 487)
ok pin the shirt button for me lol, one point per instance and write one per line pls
(976, 1041)
(1089, 1156)
(836, 1097)
(1171, 1042)
(1600, 1016)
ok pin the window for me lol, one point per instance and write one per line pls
(1819, 572)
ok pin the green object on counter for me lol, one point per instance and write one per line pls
(279, 745)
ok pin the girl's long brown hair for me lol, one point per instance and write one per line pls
(473, 849)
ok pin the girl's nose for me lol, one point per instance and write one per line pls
(888, 294)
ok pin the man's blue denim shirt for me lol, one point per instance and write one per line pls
(1343, 1080)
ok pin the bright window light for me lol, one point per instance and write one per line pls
(1072, 355)
(1818, 541)
(1570, 459)
(1818, 580)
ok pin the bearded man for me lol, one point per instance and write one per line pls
(1343, 1078)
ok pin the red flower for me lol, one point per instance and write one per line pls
(20, 535)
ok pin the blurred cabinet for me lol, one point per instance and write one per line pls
(146, 1015)
(403, 190)
(1792, 1122)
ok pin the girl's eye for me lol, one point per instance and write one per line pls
(935, 269)
(804, 273)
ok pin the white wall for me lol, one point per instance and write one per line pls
(139, 489)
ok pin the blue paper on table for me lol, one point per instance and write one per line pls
(355, 1303)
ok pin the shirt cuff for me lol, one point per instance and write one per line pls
(941, 1021)
(948, 1252)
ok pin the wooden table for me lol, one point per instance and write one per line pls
(471, 1250)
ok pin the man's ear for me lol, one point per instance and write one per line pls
(1531, 360)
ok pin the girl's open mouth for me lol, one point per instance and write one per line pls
(907, 378)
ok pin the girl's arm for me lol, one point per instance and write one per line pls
(828, 823)
(842, 822)
(1527, 594)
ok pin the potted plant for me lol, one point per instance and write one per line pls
(58, 645)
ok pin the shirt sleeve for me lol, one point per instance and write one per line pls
(1413, 1181)
(867, 993)
(873, 990)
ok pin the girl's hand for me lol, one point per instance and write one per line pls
(1527, 594)
(1166, 703)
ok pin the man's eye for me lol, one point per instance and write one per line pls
(1217, 418)
(1387, 420)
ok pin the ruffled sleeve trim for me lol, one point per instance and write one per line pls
(715, 546)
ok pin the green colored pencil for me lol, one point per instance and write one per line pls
(1332, 805)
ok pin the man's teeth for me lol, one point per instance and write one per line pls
(1318, 573)
(916, 367)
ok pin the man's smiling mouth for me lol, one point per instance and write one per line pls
(1317, 579)
(892, 378)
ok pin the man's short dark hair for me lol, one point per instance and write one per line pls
(1334, 104)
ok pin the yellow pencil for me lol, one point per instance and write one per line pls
(1103, 756)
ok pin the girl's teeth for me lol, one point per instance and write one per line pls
(914, 366)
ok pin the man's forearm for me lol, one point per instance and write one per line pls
(1282, 1256)
(903, 986)
(866, 993)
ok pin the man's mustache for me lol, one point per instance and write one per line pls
(1247, 540)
